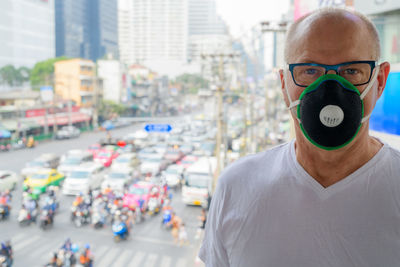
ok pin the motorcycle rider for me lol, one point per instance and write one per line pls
(86, 258)
(5, 202)
(6, 250)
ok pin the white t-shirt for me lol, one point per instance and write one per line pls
(268, 211)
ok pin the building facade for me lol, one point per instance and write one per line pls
(86, 29)
(27, 32)
(115, 80)
(75, 80)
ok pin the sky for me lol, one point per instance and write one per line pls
(241, 15)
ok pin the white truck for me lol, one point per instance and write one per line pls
(198, 182)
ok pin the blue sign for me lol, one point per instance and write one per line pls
(163, 128)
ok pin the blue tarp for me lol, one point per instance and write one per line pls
(5, 134)
(386, 115)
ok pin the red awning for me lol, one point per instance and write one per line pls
(62, 118)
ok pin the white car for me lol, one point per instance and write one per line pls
(8, 180)
(117, 180)
(44, 161)
(81, 179)
(72, 159)
(68, 132)
(153, 165)
(173, 175)
(125, 162)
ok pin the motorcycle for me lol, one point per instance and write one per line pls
(152, 206)
(3, 261)
(82, 217)
(46, 219)
(167, 216)
(120, 231)
(98, 220)
(4, 212)
(26, 218)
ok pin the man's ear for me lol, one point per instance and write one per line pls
(383, 74)
(284, 86)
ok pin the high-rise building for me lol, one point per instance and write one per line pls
(155, 30)
(27, 31)
(86, 28)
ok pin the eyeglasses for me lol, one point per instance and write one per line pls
(356, 72)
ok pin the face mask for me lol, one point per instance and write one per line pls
(331, 110)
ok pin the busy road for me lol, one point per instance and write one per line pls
(148, 244)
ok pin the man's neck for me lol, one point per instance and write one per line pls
(329, 167)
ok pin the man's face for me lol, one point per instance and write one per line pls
(329, 41)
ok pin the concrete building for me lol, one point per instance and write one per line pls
(154, 33)
(27, 32)
(86, 28)
(114, 75)
(75, 80)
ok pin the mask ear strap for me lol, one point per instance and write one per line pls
(367, 89)
(292, 104)
(371, 83)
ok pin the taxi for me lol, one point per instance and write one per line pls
(40, 180)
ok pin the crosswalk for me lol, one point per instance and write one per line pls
(36, 250)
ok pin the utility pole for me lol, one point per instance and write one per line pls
(95, 104)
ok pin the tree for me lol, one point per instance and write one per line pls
(109, 109)
(42, 72)
(193, 82)
(14, 77)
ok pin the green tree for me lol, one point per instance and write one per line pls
(108, 109)
(193, 82)
(42, 72)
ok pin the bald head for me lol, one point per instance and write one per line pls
(334, 28)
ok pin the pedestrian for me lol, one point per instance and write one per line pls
(329, 197)
(202, 218)
(183, 237)
(175, 223)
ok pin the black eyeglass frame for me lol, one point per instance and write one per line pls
(372, 64)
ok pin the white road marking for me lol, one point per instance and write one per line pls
(137, 259)
(108, 258)
(166, 261)
(24, 243)
(151, 260)
(182, 263)
(122, 258)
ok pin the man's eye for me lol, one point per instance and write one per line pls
(351, 71)
(311, 71)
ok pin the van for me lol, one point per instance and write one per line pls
(44, 161)
(72, 159)
(84, 177)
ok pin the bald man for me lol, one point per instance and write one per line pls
(331, 197)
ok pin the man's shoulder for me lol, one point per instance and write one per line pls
(253, 165)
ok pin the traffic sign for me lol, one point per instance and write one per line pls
(163, 128)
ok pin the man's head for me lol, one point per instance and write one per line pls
(333, 36)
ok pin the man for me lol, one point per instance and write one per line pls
(332, 196)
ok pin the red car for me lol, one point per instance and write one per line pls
(94, 148)
(142, 192)
(105, 157)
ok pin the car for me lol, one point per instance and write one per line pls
(84, 177)
(40, 180)
(153, 165)
(74, 158)
(160, 148)
(173, 175)
(128, 161)
(67, 132)
(186, 148)
(94, 148)
(8, 180)
(141, 191)
(173, 155)
(105, 157)
(44, 161)
(187, 161)
(146, 152)
(117, 180)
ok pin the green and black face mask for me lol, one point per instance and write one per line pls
(331, 111)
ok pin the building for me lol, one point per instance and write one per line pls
(156, 32)
(75, 80)
(116, 85)
(27, 32)
(86, 29)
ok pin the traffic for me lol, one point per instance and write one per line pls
(111, 186)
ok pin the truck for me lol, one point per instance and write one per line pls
(198, 182)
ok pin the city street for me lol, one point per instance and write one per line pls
(148, 245)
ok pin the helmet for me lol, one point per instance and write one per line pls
(87, 246)
(75, 248)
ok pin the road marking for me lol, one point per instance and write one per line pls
(99, 253)
(153, 240)
(109, 257)
(137, 259)
(166, 261)
(151, 260)
(182, 263)
(25, 243)
(17, 238)
(122, 258)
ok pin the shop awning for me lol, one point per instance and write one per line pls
(63, 118)
(12, 125)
